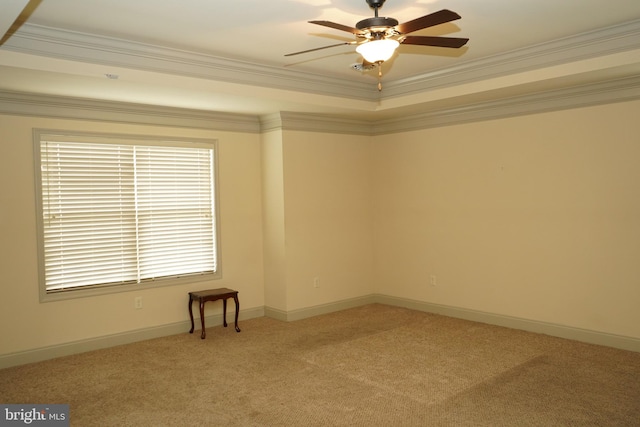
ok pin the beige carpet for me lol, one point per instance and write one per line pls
(370, 366)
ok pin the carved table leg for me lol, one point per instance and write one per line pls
(235, 298)
(191, 314)
(224, 312)
(203, 334)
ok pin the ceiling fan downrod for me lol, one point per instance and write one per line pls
(375, 4)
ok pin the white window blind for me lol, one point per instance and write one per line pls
(115, 214)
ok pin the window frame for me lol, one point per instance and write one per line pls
(128, 139)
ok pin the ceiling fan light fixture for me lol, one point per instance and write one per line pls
(377, 50)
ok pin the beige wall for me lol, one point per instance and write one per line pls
(317, 219)
(328, 222)
(275, 286)
(26, 324)
(536, 217)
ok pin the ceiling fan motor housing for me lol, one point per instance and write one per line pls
(376, 22)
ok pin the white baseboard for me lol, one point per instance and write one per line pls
(561, 331)
(67, 349)
(316, 310)
(584, 335)
(577, 334)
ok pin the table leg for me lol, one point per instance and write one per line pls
(224, 312)
(203, 334)
(191, 314)
(235, 298)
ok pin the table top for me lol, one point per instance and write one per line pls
(212, 292)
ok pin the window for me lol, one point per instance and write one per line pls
(121, 212)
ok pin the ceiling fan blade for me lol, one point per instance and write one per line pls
(435, 41)
(320, 48)
(337, 26)
(436, 18)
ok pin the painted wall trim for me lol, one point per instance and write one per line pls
(561, 331)
(317, 310)
(612, 91)
(605, 41)
(306, 122)
(26, 104)
(52, 106)
(59, 43)
(67, 349)
(608, 92)
(72, 45)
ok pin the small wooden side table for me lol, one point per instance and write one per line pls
(213, 295)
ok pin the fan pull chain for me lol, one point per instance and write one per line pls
(379, 76)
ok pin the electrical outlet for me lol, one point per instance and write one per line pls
(432, 280)
(137, 303)
(316, 282)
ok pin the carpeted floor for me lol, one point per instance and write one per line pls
(375, 365)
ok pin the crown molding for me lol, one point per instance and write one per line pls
(83, 47)
(592, 44)
(29, 104)
(292, 121)
(76, 46)
(619, 90)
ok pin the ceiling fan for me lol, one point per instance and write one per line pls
(378, 37)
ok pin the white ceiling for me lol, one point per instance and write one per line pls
(228, 56)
